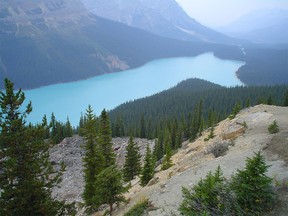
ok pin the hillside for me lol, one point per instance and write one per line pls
(162, 17)
(229, 149)
(46, 42)
(180, 101)
(232, 144)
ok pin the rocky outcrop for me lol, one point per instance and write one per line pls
(70, 152)
(234, 141)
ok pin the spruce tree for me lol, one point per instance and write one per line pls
(285, 102)
(143, 133)
(119, 127)
(132, 166)
(197, 123)
(26, 177)
(93, 161)
(109, 187)
(148, 168)
(53, 127)
(68, 129)
(105, 140)
(167, 162)
(252, 187)
(47, 128)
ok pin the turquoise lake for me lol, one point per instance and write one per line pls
(110, 90)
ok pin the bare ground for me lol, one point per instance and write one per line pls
(229, 149)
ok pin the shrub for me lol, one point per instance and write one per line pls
(138, 209)
(252, 187)
(211, 196)
(249, 193)
(273, 128)
(235, 110)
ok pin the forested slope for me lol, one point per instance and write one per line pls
(179, 103)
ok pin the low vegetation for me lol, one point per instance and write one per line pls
(273, 128)
(249, 192)
(138, 209)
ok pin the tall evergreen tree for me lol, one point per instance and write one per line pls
(105, 140)
(93, 161)
(167, 162)
(53, 126)
(148, 168)
(68, 129)
(132, 166)
(26, 172)
(143, 133)
(158, 148)
(109, 187)
(119, 127)
(285, 103)
(47, 128)
(196, 126)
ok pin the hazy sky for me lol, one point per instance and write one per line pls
(217, 13)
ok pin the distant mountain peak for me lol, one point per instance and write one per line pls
(162, 17)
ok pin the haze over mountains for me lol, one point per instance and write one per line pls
(261, 26)
(164, 18)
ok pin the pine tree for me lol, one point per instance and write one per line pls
(158, 148)
(26, 176)
(285, 103)
(148, 168)
(47, 128)
(105, 140)
(68, 129)
(270, 100)
(53, 127)
(143, 127)
(273, 128)
(252, 187)
(119, 127)
(167, 162)
(110, 187)
(197, 123)
(236, 109)
(132, 166)
(93, 161)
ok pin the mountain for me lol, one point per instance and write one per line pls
(162, 17)
(260, 26)
(55, 41)
(274, 34)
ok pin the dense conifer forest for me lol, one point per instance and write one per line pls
(180, 102)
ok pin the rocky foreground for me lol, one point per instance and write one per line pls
(234, 141)
(70, 151)
(231, 146)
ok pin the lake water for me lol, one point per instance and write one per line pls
(109, 90)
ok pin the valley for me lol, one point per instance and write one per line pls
(135, 108)
(128, 85)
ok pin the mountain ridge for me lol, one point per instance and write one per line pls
(164, 18)
(38, 50)
(265, 26)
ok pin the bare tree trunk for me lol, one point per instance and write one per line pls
(111, 208)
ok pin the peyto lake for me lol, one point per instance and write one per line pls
(109, 90)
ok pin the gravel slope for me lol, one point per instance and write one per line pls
(234, 143)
